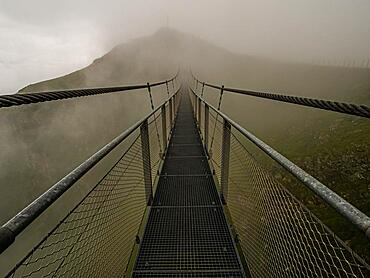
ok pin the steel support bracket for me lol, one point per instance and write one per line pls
(168, 91)
(164, 128)
(145, 151)
(225, 157)
(199, 112)
(170, 104)
(206, 126)
(150, 96)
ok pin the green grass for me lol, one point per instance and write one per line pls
(336, 151)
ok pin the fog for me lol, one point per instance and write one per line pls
(245, 44)
(43, 39)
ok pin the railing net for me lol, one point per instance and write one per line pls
(279, 237)
(96, 238)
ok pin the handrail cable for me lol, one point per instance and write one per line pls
(340, 107)
(20, 99)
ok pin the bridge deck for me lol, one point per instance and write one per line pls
(187, 234)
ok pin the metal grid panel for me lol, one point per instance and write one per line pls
(97, 236)
(185, 131)
(218, 274)
(187, 238)
(183, 122)
(186, 191)
(186, 166)
(176, 139)
(186, 150)
(185, 126)
(278, 235)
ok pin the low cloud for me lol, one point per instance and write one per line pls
(43, 39)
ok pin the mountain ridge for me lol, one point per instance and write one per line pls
(158, 56)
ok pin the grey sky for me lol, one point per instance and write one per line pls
(41, 39)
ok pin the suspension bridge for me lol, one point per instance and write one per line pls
(186, 198)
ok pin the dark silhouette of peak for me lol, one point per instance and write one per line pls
(158, 56)
(144, 59)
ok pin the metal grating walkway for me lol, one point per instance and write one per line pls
(187, 234)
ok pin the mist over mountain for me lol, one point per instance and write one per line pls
(158, 56)
(45, 141)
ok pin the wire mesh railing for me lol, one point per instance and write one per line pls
(97, 236)
(278, 235)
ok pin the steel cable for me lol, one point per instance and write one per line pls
(22, 99)
(340, 107)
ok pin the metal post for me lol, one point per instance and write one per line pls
(199, 112)
(179, 98)
(150, 96)
(225, 156)
(173, 86)
(193, 102)
(175, 104)
(195, 107)
(144, 134)
(171, 112)
(206, 125)
(202, 90)
(168, 91)
(178, 101)
(218, 109)
(164, 127)
(220, 99)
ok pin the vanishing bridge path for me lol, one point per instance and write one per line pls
(187, 197)
(187, 230)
